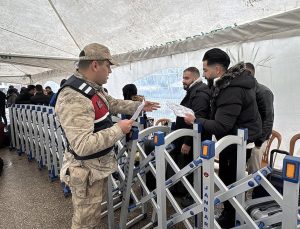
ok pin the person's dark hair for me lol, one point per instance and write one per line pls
(250, 67)
(48, 87)
(39, 88)
(30, 87)
(193, 70)
(62, 82)
(11, 90)
(23, 89)
(129, 90)
(217, 56)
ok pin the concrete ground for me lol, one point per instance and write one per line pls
(28, 200)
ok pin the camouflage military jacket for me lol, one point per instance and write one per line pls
(76, 115)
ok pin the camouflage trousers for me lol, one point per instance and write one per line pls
(86, 200)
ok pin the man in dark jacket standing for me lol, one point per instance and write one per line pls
(40, 98)
(25, 95)
(196, 98)
(2, 108)
(265, 100)
(233, 106)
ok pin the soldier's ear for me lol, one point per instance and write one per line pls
(94, 65)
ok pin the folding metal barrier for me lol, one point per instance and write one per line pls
(136, 175)
(36, 131)
(195, 209)
(26, 130)
(12, 127)
(116, 186)
(31, 135)
(20, 129)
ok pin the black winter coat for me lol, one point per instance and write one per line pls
(233, 105)
(265, 100)
(24, 98)
(2, 101)
(197, 98)
(40, 99)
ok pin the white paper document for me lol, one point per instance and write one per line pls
(180, 110)
(138, 111)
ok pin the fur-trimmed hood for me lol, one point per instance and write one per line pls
(236, 76)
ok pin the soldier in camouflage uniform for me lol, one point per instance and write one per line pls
(83, 109)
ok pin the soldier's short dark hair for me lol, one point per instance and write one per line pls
(193, 70)
(217, 56)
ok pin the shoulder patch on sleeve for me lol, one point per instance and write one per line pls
(101, 110)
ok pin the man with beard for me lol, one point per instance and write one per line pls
(233, 106)
(196, 98)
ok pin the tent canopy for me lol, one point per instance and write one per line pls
(43, 38)
(154, 41)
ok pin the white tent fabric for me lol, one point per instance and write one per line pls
(39, 32)
(272, 45)
(40, 41)
(276, 62)
(26, 69)
(282, 25)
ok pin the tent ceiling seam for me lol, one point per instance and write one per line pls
(19, 69)
(63, 23)
(25, 64)
(15, 76)
(8, 55)
(40, 42)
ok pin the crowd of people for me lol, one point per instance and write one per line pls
(231, 99)
(32, 94)
(236, 101)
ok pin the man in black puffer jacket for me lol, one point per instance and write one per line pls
(265, 100)
(197, 98)
(233, 106)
